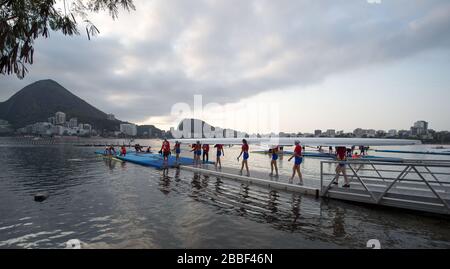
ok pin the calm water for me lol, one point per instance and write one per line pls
(108, 204)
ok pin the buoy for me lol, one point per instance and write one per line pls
(40, 197)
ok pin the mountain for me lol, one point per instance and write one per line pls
(42, 99)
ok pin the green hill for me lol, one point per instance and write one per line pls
(42, 99)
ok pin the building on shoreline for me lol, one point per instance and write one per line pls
(57, 125)
(128, 129)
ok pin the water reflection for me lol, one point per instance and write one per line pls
(338, 222)
(164, 184)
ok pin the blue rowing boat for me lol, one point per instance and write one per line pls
(325, 155)
(414, 152)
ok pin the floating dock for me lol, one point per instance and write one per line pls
(150, 159)
(415, 185)
(309, 187)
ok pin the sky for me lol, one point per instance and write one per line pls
(260, 66)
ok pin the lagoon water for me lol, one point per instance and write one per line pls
(109, 204)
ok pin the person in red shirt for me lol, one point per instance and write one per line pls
(123, 151)
(205, 148)
(298, 161)
(197, 149)
(220, 152)
(165, 150)
(341, 157)
(244, 153)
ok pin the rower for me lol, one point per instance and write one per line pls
(205, 148)
(123, 151)
(197, 149)
(219, 153)
(244, 152)
(177, 149)
(298, 161)
(340, 168)
(165, 150)
(273, 162)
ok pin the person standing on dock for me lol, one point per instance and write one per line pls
(123, 151)
(220, 153)
(165, 150)
(273, 162)
(244, 153)
(197, 149)
(205, 148)
(341, 157)
(298, 161)
(177, 149)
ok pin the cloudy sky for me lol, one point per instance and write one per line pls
(293, 65)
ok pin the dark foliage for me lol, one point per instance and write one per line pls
(23, 21)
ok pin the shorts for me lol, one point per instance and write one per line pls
(166, 153)
(342, 164)
(274, 157)
(219, 153)
(298, 160)
(177, 151)
(198, 152)
(246, 156)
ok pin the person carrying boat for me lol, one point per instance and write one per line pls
(244, 153)
(165, 150)
(298, 161)
(177, 150)
(205, 148)
(219, 153)
(273, 163)
(341, 157)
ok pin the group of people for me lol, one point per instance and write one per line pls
(342, 153)
(110, 150)
(197, 148)
(140, 148)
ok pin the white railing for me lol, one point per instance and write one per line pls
(415, 178)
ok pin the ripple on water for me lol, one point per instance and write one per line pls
(115, 205)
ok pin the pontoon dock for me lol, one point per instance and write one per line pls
(422, 185)
(258, 178)
(415, 185)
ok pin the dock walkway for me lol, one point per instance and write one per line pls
(310, 187)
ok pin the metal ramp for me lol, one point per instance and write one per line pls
(423, 186)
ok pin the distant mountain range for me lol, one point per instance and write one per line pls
(42, 99)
